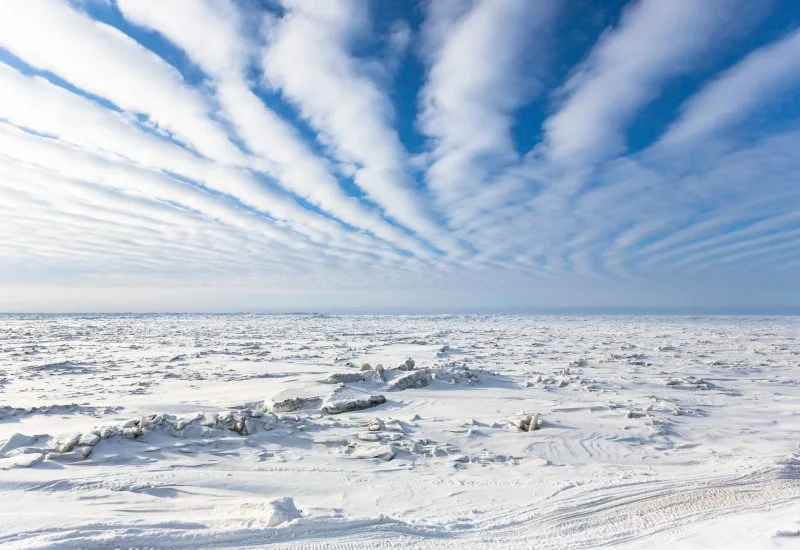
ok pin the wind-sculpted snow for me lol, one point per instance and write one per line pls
(308, 431)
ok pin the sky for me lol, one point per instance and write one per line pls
(245, 155)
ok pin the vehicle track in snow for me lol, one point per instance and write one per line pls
(592, 518)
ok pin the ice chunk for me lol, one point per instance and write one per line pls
(414, 379)
(381, 452)
(22, 460)
(295, 399)
(89, 439)
(345, 378)
(346, 399)
(408, 364)
(16, 441)
(75, 455)
(375, 425)
(368, 375)
(529, 423)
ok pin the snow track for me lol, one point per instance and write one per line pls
(612, 517)
(594, 518)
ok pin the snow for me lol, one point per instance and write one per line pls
(275, 512)
(187, 431)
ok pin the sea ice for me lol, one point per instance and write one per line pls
(663, 432)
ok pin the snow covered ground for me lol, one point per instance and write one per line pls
(186, 431)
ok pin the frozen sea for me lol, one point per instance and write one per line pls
(439, 431)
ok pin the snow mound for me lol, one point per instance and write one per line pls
(274, 513)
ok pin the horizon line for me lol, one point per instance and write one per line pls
(790, 310)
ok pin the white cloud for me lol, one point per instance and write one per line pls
(149, 229)
(269, 137)
(478, 77)
(81, 122)
(627, 68)
(762, 76)
(103, 61)
(353, 115)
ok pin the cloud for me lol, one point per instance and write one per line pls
(227, 150)
(757, 80)
(103, 61)
(269, 137)
(352, 114)
(480, 71)
(628, 67)
(84, 123)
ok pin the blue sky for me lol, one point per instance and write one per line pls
(295, 154)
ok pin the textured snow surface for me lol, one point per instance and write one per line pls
(311, 431)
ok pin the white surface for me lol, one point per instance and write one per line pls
(660, 431)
